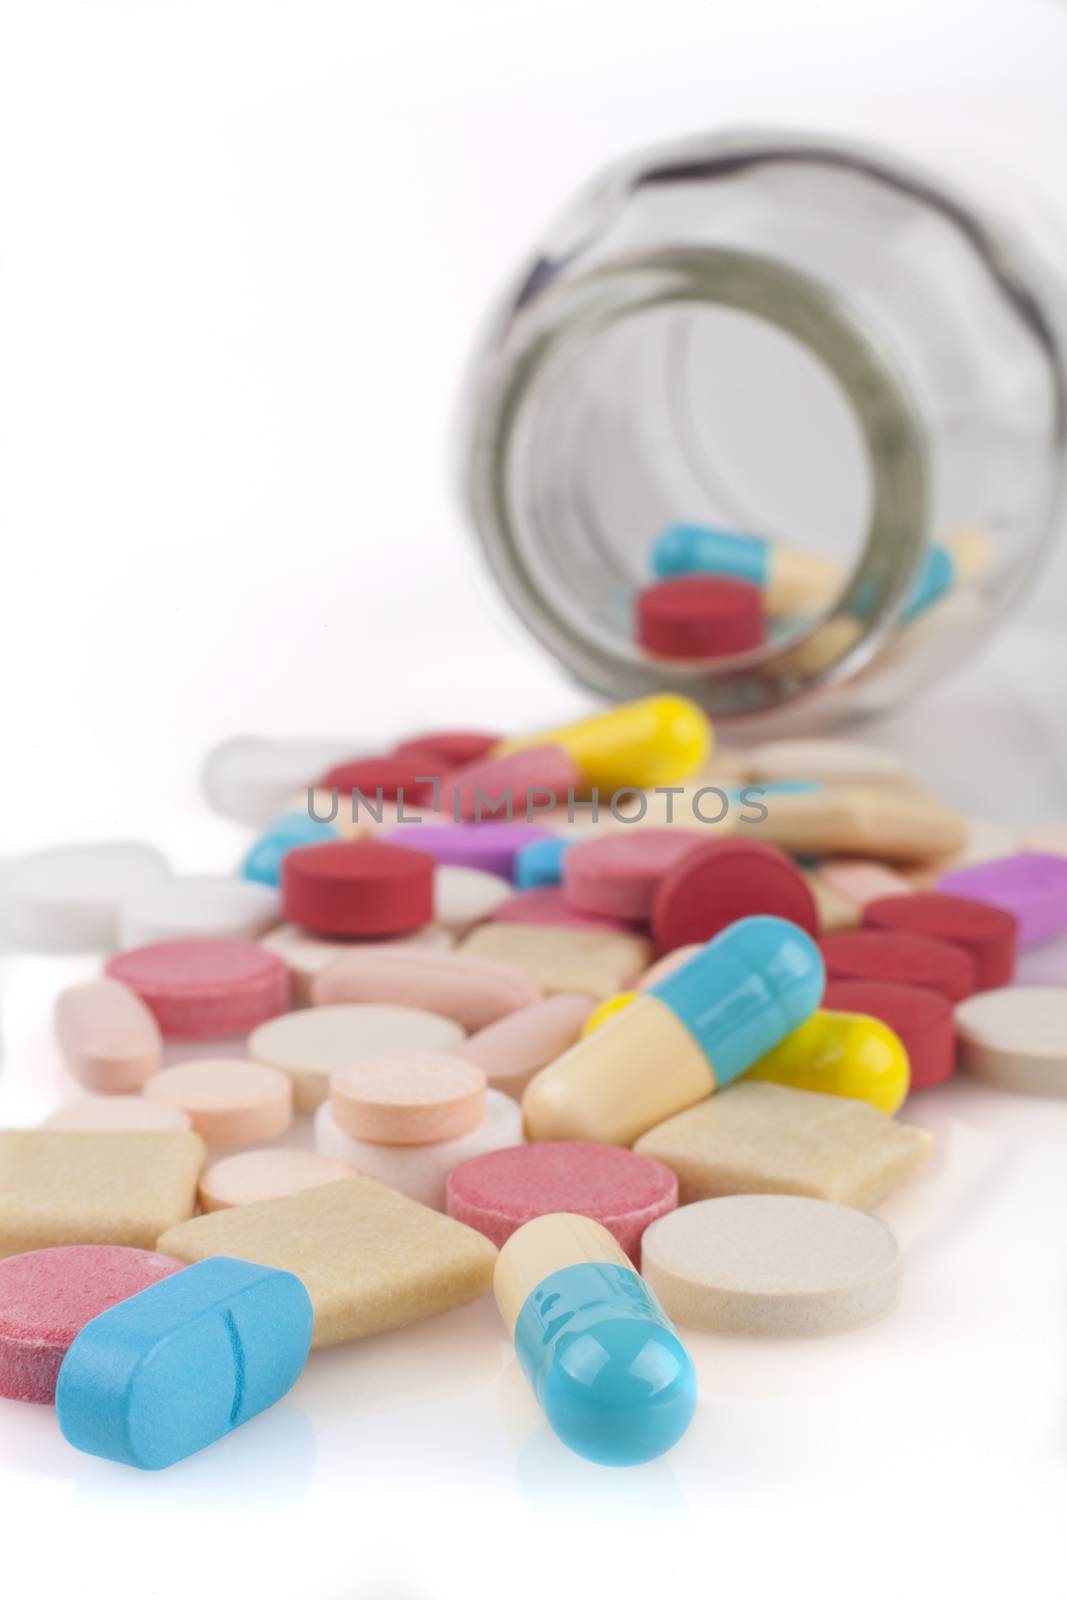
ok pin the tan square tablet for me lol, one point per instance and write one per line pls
(564, 960)
(61, 1187)
(763, 1138)
(370, 1258)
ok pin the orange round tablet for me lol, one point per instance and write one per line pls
(408, 1097)
(266, 1175)
(228, 1101)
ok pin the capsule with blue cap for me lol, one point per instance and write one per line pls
(613, 1378)
(696, 1030)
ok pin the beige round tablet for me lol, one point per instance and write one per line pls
(771, 1266)
(266, 1175)
(228, 1101)
(1016, 1038)
(119, 1113)
(309, 1046)
(408, 1097)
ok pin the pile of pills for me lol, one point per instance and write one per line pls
(598, 1018)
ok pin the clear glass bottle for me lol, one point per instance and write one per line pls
(792, 338)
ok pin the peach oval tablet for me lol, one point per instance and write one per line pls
(118, 1113)
(309, 1046)
(109, 1039)
(473, 990)
(229, 1101)
(306, 955)
(510, 1052)
(265, 1175)
(408, 1097)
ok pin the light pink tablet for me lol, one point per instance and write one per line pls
(471, 990)
(408, 1097)
(618, 875)
(119, 1113)
(228, 1101)
(266, 1175)
(109, 1039)
(512, 1050)
(862, 881)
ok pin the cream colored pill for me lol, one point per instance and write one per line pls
(666, 965)
(311, 1045)
(108, 1038)
(464, 896)
(118, 1113)
(1016, 1038)
(229, 1101)
(820, 760)
(265, 1175)
(771, 1266)
(408, 1097)
(306, 956)
(472, 991)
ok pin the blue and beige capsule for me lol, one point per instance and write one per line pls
(611, 1375)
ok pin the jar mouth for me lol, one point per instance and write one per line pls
(528, 480)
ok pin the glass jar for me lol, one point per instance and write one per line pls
(814, 349)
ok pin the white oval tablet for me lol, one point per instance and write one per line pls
(464, 896)
(310, 1045)
(253, 780)
(118, 1113)
(1016, 1038)
(771, 1266)
(198, 908)
(69, 899)
(820, 760)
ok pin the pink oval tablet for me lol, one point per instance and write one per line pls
(471, 990)
(862, 881)
(511, 788)
(118, 1113)
(549, 908)
(618, 875)
(109, 1039)
(205, 988)
(47, 1297)
(620, 1189)
(408, 1097)
(228, 1101)
(512, 1050)
(266, 1175)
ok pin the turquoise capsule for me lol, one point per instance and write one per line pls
(540, 865)
(263, 863)
(688, 547)
(612, 1376)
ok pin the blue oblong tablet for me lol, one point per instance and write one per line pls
(263, 863)
(159, 1376)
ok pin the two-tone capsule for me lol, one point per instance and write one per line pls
(613, 1378)
(663, 739)
(696, 1030)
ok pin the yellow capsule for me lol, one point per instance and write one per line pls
(837, 1052)
(664, 739)
(607, 1009)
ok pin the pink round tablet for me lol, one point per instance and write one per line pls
(266, 1175)
(618, 875)
(227, 1101)
(549, 908)
(986, 933)
(872, 956)
(720, 881)
(205, 988)
(620, 1189)
(47, 1297)
(507, 787)
(408, 1097)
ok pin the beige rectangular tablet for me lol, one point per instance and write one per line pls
(764, 1138)
(63, 1187)
(564, 960)
(370, 1258)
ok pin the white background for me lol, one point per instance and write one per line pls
(245, 249)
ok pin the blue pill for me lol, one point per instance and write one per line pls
(540, 865)
(159, 1376)
(688, 547)
(263, 863)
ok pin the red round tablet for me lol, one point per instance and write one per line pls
(618, 875)
(449, 748)
(988, 934)
(620, 1189)
(719, 881)
(205, 988)
(873, 956)
(358, 888)
(922, 1020)
(547, 908)
(696, 617)
(47, 1297)
(385, 777)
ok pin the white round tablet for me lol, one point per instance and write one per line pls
(1016, 1038)
(69, 899)
(464, 896)
(771, 1266)
(198, 908)
(310, 1045)
(256, 779)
